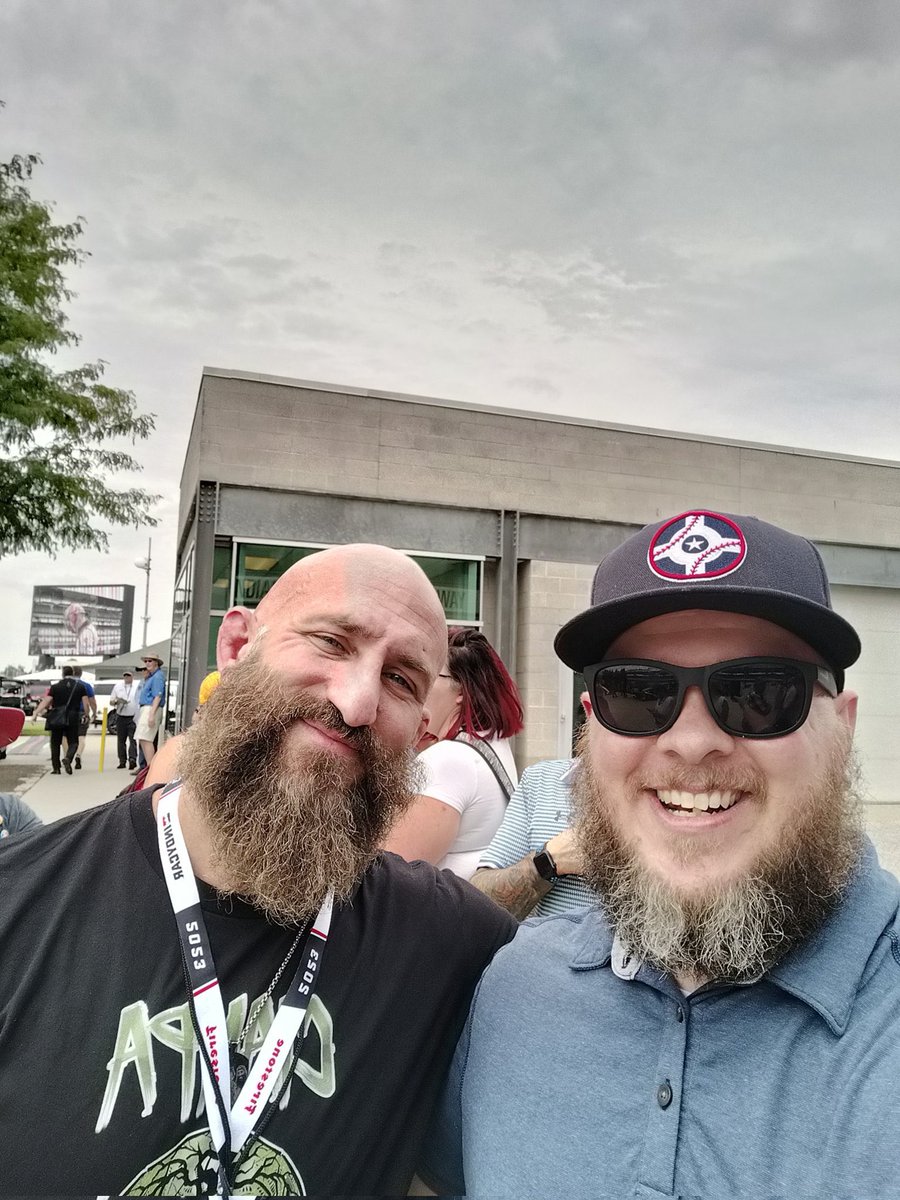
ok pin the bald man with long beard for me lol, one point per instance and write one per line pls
(221, 985)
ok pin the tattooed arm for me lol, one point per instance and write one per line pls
(518, 888)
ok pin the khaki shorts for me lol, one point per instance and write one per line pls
(148, 724)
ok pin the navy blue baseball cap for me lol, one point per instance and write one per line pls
(709, 560)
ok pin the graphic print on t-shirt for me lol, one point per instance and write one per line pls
(190, 1170)
(189, 1167)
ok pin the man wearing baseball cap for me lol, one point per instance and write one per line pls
(725, 1022)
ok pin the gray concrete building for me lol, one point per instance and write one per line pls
(509, 512)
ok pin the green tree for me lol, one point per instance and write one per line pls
(55, 426)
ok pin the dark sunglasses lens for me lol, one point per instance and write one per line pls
(759, 699)
(635, 698)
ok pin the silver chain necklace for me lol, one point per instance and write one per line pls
(258, 1006)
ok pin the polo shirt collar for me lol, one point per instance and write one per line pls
(593, 943)
(827, 970)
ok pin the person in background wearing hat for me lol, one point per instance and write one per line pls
(151, 706)
(165, 763)
(15, 815)
(726, 1022)
(124, 700)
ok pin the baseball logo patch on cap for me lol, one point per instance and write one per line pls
(697, 545)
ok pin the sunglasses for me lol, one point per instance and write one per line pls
(747, 697)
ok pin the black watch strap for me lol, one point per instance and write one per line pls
(544, 865)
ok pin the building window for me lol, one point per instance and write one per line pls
(457, 581)
(221, 585)
(258, 567)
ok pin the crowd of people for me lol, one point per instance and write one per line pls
(666, 966)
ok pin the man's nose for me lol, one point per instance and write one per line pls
(355, 691)
(695, 734)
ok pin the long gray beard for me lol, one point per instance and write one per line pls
(738, 931)
(285, 829)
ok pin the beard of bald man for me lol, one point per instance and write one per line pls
(740, 930)
(284, 828)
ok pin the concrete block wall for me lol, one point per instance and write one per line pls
(549, 594)
(267, 432)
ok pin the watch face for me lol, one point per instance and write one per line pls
(545, 866)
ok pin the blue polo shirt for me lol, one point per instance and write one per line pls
(582, 1075)
(154, 685)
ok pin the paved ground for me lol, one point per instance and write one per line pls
(27, 771)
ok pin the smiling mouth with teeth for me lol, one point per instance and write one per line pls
(693, 802)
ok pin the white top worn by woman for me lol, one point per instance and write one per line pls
(458, 776)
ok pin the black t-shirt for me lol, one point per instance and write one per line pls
(68, 694)
(100, 1090)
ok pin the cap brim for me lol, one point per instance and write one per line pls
(586, 638)
(11, 722)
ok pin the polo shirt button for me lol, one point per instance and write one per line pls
(664, 1094)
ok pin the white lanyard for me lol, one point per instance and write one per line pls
(230, 1130)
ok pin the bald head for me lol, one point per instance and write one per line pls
(357, 565)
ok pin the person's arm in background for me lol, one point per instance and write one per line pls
(426, 830)
(507, 873)
(429, 827)
(158, 692)
(519, 887)
(16, 816)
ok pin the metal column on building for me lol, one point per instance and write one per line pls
(507, 586)
(201, 590)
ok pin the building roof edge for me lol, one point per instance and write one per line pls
(555, 418)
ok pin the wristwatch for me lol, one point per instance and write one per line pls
(544, 865)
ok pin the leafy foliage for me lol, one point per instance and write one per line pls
(54, 463)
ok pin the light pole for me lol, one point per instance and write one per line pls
(143, 564)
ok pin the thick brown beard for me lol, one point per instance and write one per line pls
(284, 828)
(738, 931)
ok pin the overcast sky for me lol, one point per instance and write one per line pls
(680, 215)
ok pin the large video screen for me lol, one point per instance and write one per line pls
(82, 621)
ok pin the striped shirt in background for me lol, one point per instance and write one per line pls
(539, 808)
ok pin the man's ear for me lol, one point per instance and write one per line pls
(585, 701)
(236, 633)
(845, 706)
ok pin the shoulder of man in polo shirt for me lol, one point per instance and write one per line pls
(122, 690)
(154, 684)
(533, 865)
(726, 1023)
